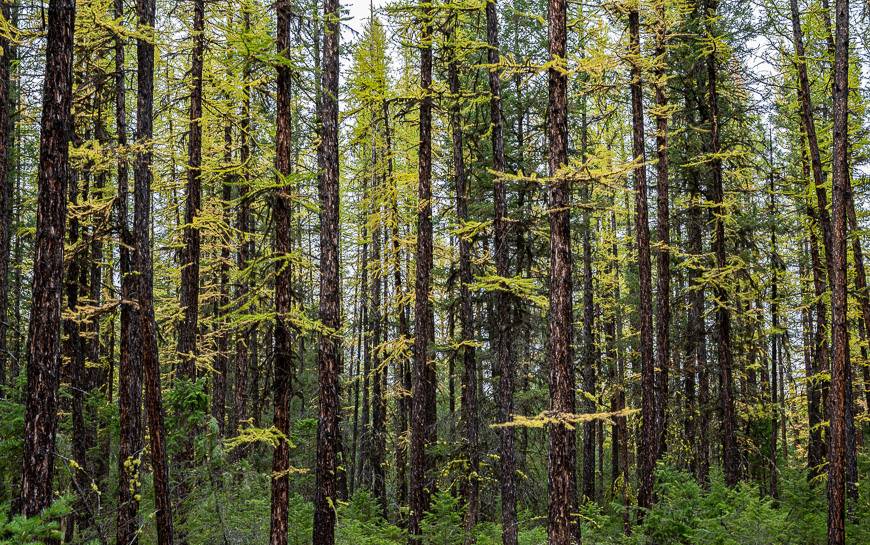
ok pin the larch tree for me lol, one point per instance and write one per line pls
(283, 214)
(839, 324)
(647, 451)
(143, 268)
(44, 342)
(562, 524)
(423, 373)
(328, 358)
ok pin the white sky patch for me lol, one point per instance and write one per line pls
(359, 12)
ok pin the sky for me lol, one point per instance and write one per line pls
(359, 12)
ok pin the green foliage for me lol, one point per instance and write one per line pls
(442, 525)
(21, 530)
(360, 522)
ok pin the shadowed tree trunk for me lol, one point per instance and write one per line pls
(379, 409)
(471, 488)
(130, 362)
(562, 524)
(143, 268)
(663, 253)
(423, 388)
(44, 344)
(7, 127)
(192, 207)
(219, 376)
(816, 447)
(774, 343)
(648, 440)
(402, 369)
(189, 297)
(730, 463)
(328, 439)
(504, 342)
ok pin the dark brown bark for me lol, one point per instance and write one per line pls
(190, 255)
(619, 433)
(504, 342)
(130, 363)
(423, 387)
(816, 402)
(774, 344)
(221, 360)
(402, 369)
(73, 353)
(43, 370)
(7, 142)
(379, 408)
(648, 440)
(143, 268)
(246, 338)
(328, 433)
(809, 128)
(663, 253)
(187, 348)
(562, 524)
(471, 488)
(696, 364)
(588, 404)
(364, 467)
(730, 462)
(283, 215)
(839, 323)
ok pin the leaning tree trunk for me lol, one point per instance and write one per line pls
(44, 343)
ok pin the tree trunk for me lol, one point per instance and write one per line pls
(283, 215)
(730, 463)
(562, 526)
(402, 370)
(839, 323)
(471, 488)
(130, 362)
(648, 440)
(328, 439)
(187, 348)
(663, 253)
(816, 402)
(219, 376)
(588, 404)
(423, 388)
(7, 126)
(379, 409)
(504, 342)
(774, 344)
(143, 268)
(43, 370)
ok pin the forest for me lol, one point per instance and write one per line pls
(434, 272)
